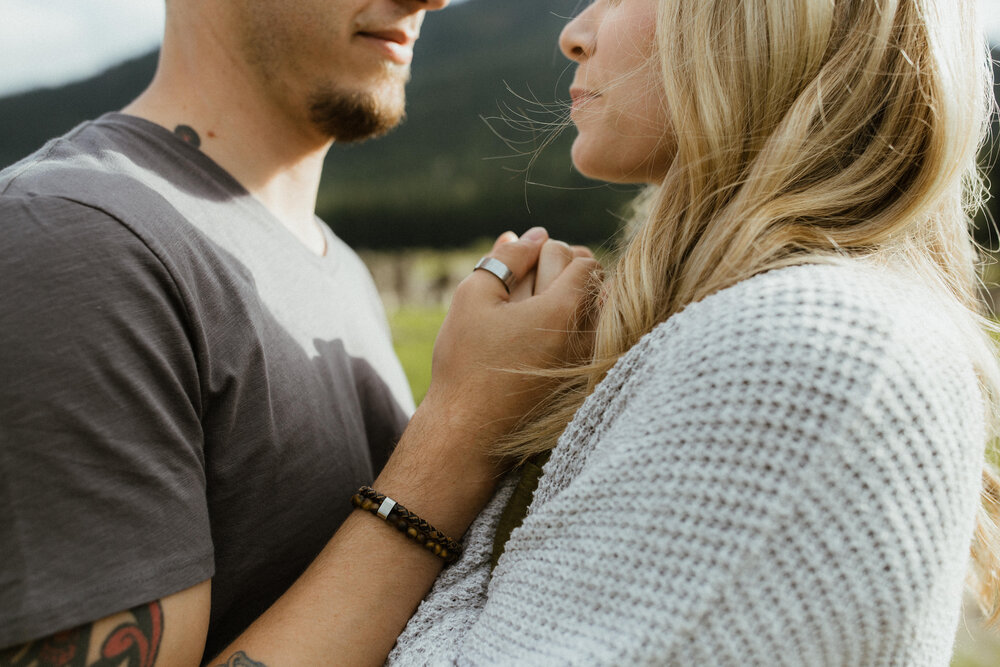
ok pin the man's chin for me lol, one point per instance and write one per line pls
(353, 117)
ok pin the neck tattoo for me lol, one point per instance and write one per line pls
(188, 135)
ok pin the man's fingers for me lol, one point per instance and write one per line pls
(581, 251)
(554, 257)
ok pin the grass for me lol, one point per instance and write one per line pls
(413, 333)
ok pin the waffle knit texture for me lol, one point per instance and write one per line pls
(786, 472)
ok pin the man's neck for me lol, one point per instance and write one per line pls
(278, 158)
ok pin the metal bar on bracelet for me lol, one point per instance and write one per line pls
(499, 269)
(408, 523)
(386, 507)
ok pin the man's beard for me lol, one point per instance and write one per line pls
(353, 117)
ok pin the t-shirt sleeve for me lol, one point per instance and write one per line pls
(102, 478)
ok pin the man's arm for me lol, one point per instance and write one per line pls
(170, 631)
(357, 595)
(352, 602)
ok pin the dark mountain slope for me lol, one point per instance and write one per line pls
(444, 177)
(430, 182)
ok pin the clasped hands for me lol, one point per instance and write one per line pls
(491, 340)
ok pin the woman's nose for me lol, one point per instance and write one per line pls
(577, 38)
(434, 5)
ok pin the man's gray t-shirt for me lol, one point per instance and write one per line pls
(186, 391)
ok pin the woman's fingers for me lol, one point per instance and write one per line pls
(555, 256)
(581, 277)
(577, 287)
(506, 237)
(525, 288)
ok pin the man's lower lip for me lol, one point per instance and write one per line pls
(396, 52)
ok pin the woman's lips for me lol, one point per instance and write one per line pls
(581, 97)
(397, 45)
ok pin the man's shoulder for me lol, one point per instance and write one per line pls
(89, 166)
(45, 162)
(108, 183)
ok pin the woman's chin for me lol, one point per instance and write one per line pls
(591, 165)
(597, 166)
(583, 171)
(579, 159)
(602, 173)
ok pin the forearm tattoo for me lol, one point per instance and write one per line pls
(134, 643)
(240, 659)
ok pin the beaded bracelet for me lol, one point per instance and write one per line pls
(408, 523)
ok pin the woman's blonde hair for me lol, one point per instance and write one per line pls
(807, 131)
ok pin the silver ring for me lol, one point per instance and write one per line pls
(499, 269)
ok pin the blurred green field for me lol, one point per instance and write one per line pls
(413, 333)
(414, 329)
(975, 644)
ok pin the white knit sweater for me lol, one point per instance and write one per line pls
(786, 472)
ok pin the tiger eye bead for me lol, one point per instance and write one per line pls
(408, 523)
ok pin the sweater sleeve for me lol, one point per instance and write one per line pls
(775, 485)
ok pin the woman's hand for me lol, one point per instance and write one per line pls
(489, 333)
(369, 578)
(554, 257)
(442, 468)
